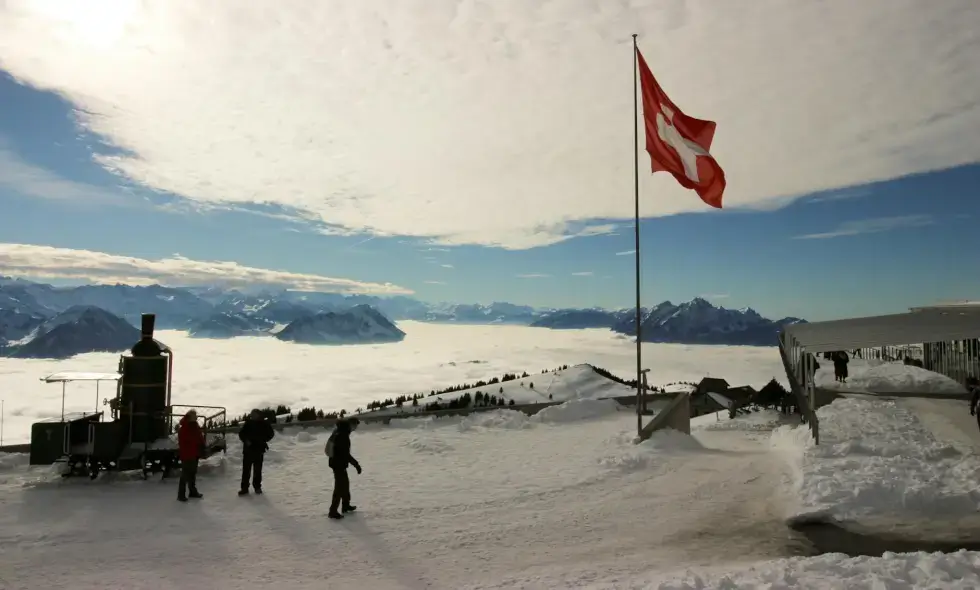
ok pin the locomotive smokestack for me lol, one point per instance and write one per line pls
(149, 320)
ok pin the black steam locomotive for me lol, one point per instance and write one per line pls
(141, 433)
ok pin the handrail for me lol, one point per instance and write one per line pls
(802, 402)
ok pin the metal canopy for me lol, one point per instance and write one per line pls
(916, 327)
(67, 376)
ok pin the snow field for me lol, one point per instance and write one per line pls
(492, 500)
(444, 503)
(877, 458)
(885, 377)
(894, 571)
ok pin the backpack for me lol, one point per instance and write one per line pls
(328, 448)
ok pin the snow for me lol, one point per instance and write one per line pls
(442, 504)
(492, 501)
(580, 382)
(885, 377)
(247, 372)
(950, 571)
(877, 458)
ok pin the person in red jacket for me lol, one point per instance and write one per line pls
(190, 443)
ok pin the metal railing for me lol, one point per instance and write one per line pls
(803, 392)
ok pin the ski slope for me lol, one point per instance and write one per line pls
(493, 500)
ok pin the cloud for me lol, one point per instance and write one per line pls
(435, 282)
(446, 265)
(714, 296)
(584, 273)
(504, 119)
(870, 226)
(626, 253)
(533, 275)
(99, 267)
(841, 195)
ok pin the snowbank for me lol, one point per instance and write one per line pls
(12, 461)
(896, 571)
(875, 457)
(575, 410)
(759, 421)
(636, 457)
(886, 377)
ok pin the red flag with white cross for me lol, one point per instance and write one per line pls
(678, 143)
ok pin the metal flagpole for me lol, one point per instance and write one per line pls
(636, 235)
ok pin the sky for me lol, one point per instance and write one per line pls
(478, 151)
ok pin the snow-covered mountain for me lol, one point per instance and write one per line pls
(475, 313)
(77, 330)
(361, 324)
(213, 312)
(694, 322)
(230, 325)
(699, 322)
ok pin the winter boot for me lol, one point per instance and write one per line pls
(258, 490)
(346, 509)
(195, 494)
(181, 498)
(243, 492)
(335, 515)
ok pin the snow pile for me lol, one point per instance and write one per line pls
(896, 571)
(575, 410)
(305, 436)
(653, 451)
(497, 419)
(886, 377)
(12, 461)
(875, 457)
(428, 445)
(759, 421)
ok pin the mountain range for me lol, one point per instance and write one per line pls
(29, 310)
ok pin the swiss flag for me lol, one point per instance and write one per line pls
(677, 143)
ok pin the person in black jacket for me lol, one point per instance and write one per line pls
(255, 433)
(338, 450)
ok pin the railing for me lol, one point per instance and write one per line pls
(799, 391)
(215, 419)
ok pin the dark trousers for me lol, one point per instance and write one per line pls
(252, 466)
(341, 489)
(188, 478)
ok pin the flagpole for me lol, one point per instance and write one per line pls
(636, 236)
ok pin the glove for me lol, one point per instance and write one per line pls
(358, 468)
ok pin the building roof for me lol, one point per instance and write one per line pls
(66, 376)
(915, 327)
(740, 393)
(712, 383)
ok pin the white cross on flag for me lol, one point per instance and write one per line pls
(677, 143)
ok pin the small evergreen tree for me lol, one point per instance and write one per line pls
(511, 403)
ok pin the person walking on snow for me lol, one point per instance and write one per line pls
(840, 366)
(255, 434)
(338, 451)
(190, 445)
